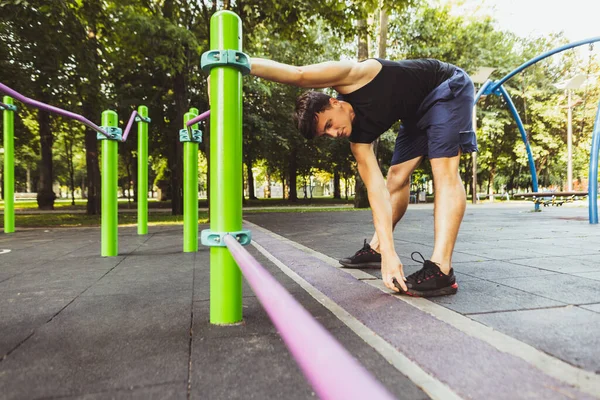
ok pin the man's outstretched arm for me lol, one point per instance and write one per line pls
(379, 199)
(326, 74)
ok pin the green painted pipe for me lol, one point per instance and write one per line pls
(225, 169)
(9, 167)
(142, 179)
(190, 189)
(110, 216)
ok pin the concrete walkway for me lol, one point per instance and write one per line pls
(525, 323)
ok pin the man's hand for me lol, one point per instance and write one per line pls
(391, 268)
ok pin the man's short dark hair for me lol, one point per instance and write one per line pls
(308, 105)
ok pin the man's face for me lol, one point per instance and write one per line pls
(335, 122)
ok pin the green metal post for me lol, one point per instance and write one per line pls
(190, 189)
(142, 179)
(225, 169)
(9, 167)
(110, 216)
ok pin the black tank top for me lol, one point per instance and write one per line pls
(394, 94)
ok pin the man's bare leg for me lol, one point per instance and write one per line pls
(450, 202)
(398, 184)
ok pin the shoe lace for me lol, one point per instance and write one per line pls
(425, 272)
(365, 249)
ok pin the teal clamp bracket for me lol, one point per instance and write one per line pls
(221, 58)
(9, 107)
(114, 132)
(138, 118)
(216, 239)
(184, 136)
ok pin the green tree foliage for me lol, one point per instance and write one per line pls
(86, 56)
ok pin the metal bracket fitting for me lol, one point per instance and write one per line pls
(215, 239)
(220, 58)
(196, 137)
(114, 132)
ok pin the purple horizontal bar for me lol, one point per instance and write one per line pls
(330, 369)
(129, 124)
(56, 110)
(199, 118)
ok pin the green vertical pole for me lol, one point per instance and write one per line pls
(190, 189)
(9, 167)
(110, 217)
(142, 175)
(225, 169)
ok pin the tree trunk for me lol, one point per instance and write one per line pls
(268, 176)
(336, 184)
(361, 199)
(92, 108)
(71, 168)
(45, 195)
(129, 180)
(251, 189)
(93, 207)
(293, 176)
(383, 30)
(176, 160)
(28, 178)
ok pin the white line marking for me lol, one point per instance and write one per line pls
(4, 251)
(582, 380)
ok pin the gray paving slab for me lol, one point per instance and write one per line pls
(254, 366)
(148, 274)
(22, 313)
(589, 275)
(100, 343)
(167, 391)
(568, 265)
(564, 288)
(569, 332)
(498, 269)
(480, 296)
(592, 307)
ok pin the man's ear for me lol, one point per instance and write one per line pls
(333, 102)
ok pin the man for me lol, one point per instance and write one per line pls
(434, 101)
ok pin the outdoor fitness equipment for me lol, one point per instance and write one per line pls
(191, 136)
(9, 163)
(491, 87)
(109, 133)
(321, 358)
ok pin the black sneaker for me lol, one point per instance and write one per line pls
(429, 281)
(364, 258)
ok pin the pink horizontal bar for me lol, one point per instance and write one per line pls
(332, 372)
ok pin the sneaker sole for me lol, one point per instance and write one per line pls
(362, 265)
(432, 293)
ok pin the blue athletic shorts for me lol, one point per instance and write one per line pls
(444, 125)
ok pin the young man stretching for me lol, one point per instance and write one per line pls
(434, 101)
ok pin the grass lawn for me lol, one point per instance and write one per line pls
(74, 220)
(66, 218)
(80, 204)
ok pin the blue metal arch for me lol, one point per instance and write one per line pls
(491, 87)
